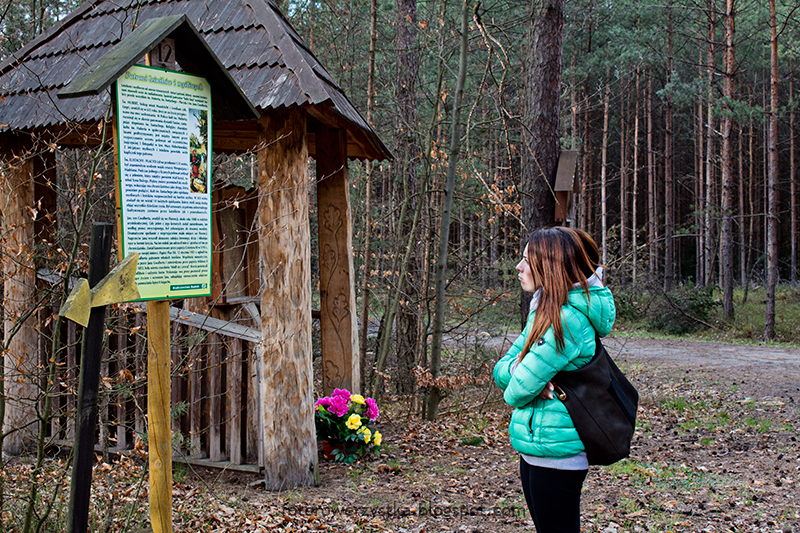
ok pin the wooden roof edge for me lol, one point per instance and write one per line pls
(121, 57)
(46, 35)
(147, 35)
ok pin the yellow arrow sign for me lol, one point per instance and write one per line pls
(117, 287)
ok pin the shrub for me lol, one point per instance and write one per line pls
(681, 310)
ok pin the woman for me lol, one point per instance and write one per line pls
(570, 303)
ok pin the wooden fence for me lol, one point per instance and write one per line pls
(215, 392)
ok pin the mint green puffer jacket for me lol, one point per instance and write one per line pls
(540, 427)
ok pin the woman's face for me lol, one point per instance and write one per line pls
(525, 275)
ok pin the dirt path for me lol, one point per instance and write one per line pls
(777, 366)
(774, 370)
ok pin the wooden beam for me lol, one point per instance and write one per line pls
(286, 387)
(338, 326)
(19, 274)
(242, 136)
(214, 325)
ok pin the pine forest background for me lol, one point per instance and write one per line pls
(683, 114)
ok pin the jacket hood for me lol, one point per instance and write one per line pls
(598, 306)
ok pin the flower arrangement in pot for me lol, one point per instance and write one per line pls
(342, 421)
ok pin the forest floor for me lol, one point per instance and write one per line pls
(715, 451)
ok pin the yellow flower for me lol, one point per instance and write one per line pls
(357, 398)
(365, 433)
(377, 438)
(354, 422)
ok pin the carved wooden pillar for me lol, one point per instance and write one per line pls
(18, 211)
(338, 326)
(286, 385)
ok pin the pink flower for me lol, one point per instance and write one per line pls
(339, 405)
(344, 393)
(324, 402)
(372, 409)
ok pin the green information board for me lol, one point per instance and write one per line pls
(164, 141)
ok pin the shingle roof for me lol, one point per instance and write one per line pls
(252, 38)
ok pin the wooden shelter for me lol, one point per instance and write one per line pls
(302, 113)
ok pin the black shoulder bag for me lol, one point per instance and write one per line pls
(602, 404)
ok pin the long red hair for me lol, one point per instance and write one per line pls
(558, 258)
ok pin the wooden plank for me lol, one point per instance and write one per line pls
(195, 400)
(286, 387)
(216, 251)
(176, 392)
(234, 389)
(221, 465)
(214, 325)
(254, 425)
(251, 253)
(230, 225)
(338, 325)
(158, 404)
(215, 451)
(105, 399)
(196, 362)
(140, 373)
(122, 367)
(71, 378)
(205, 463)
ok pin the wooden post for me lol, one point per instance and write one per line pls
(19, 276)
(338, 326)
(286, 385)
(89, 385)
(158, 419)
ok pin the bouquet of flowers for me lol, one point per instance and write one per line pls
(342, 421)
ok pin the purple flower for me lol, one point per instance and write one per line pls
(344, 393)
(339, 405)
(372, 409)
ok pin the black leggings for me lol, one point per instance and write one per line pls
(553, 496)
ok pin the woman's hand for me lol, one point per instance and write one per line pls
(547, 392)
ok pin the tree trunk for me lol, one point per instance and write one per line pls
(742, 218)
(772, 180)
(604, 173)
(435, 395)
(651, 189)
(407, 67)
(366, 276)
(751, 194)
(585, 202)
(623, 177)
(699, 182)
(708, 207)
(542, 118)
(669, 181)
(726, 255)
(634, 206)
(792, 178)
(287, 381)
